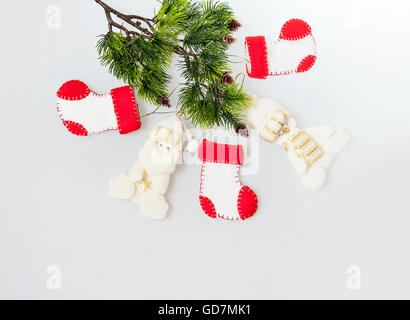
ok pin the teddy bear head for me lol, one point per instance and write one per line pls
(269, 119)
(166, 141)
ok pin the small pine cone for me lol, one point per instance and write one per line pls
(228, 39)
(234, 25)
(242, 130)
(164, 101)
(227, 79)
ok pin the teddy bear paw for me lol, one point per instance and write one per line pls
(314, 178)
(121, 187)
(154, 206)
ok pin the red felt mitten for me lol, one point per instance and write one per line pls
(294, 51)
(84, 112)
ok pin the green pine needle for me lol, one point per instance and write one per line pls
(141, 56)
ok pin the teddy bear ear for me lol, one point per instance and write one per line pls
(192, 146)
(292, 123)
(253, 98)
(152, 135)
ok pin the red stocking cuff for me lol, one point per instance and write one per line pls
(126, 109)
(220, 153)
(258, 57)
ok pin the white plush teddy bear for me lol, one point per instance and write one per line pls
(311, 151)
(147, 181)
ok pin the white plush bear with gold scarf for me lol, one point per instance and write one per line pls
(311, 151)
(147, 181)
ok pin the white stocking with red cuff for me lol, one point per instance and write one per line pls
(222, 193)
(84, 112)
(293, 52)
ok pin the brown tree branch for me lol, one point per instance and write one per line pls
(129, 19)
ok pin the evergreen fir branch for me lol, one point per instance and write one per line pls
(173, 15)
(139, 51)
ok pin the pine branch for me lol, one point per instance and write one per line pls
(141, 49)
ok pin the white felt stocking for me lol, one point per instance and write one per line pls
(222, 193)
(84, 112)
(294, 51)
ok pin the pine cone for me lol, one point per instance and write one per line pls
(164, 101)
(234, 25)
(228, 39)
(242, 130)
(227, 79)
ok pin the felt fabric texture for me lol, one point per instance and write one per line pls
(147, 181)
(222, 194)
(84, 112)
(294, 51)
(311, 151)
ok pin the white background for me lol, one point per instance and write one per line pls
(55, 208)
